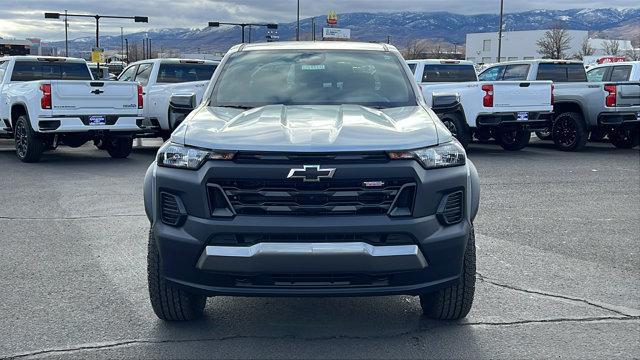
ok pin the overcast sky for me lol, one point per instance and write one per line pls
(24, 18)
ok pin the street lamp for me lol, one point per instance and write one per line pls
(242, 25)
(138, 19)
(500, 31)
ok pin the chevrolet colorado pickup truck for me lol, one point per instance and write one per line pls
(47, 101)
(580, 107)
(311, 169)
(162, 78)
(507, 111)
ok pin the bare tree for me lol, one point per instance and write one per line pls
(611, 47)
(554, 43)
(632, 55)
(585, 50)
(415, 49)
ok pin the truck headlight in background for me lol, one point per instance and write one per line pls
(183, 157)
(439, 156)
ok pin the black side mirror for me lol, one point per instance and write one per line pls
(180, 105)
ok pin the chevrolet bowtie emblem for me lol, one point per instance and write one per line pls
(311, 173)
(97, 91)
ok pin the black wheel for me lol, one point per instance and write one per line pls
(624, 139)
(569, 132)
(29, 147)
(597, 135)
(513, 140)
(544, 135)
(455, 301)
(458, 128)
(119, 148)
(169, 303)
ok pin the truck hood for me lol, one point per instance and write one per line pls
(310, 128)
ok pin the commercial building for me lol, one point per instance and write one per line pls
(521, 45)
(14, 47)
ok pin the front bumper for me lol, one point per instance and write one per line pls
(284, 267)
(80, 124)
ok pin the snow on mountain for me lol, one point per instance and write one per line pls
(400, 26)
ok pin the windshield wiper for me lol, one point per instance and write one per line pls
(243, 107)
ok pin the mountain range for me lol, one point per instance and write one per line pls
(401, 27)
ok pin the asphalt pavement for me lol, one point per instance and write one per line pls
(558, 238)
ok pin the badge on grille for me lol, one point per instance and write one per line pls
(311, 173)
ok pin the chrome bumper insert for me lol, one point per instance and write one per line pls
(312, 258)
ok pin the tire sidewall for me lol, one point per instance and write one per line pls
(560, 131)
(462, 131)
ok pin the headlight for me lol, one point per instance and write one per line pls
(178, 156)
(440, 156)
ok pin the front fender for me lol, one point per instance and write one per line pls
(474, 191)
(149, 193)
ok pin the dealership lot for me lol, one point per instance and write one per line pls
(559, 274)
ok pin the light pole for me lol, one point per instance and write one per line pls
(242, 26)
(142, 19)
(500, 31)
(298, 23)
(121, 43)
(66, 35)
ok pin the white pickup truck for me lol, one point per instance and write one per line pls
(619, 71)
(47, 101)
(162, 78)
(507, 111)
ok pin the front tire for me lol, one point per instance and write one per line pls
(458, 128)
(119, 148)
(513, 140)
(169, 303)
(29, 147)
(455, 301)
(569, 132)
(624, 139)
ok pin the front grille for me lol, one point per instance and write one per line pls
(252, 239)
(310, 158)
(313, 280)
(451, 210)
(170, 209)
(293, 197)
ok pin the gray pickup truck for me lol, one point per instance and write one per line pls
(580, 107)
(311, 169)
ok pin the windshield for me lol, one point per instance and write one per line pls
(326, 77)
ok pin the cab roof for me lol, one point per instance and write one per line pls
(314, 45)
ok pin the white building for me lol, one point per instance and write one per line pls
(521, 45)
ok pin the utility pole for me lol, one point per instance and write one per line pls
(313, 28)
(298, 22)
(389, 39)
(127, 44)
(249, 34)
(66, 35)
(500, 31)
(121, 43)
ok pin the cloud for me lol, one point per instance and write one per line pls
(24, 18)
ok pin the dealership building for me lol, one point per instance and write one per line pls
(521, 45)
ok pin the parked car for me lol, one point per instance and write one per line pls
(311, 169)
(47, 101)
(580, 107)
(618, 71)
(507, 111)
(161, 78)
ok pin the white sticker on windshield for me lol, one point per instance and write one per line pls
(313, 67)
